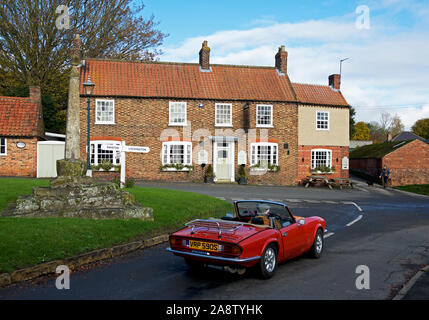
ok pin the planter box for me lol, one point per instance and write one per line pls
(106, 175)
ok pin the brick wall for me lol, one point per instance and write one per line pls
(19, 162)
(368, 166)
(409, 164)
(338, 153)
(140, 122)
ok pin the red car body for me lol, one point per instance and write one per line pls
(239, 243)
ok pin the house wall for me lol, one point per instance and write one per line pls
(141, 122)
(409, 164)
(338, 133)
(19, 162)
(338, 153)
(335, 139)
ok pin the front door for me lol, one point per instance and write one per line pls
(223, 165)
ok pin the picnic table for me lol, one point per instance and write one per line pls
(312, 180)
(339, 182)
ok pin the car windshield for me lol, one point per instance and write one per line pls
(274, 212)
(259, 208)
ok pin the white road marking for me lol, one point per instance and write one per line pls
(221, 198)
(293, 200)
(354, 221)
(275, 200)
(353, 203)
(328, 201)
(312, 201)
(236, 199)
(328, 235)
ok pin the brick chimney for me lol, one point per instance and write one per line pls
(335, 81)
(35, 95)
(205, 57)
(281, 60)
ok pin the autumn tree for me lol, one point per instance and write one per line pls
(33, 51)
(376, 133)
(361, 132)
(396, 126)
(421, 128)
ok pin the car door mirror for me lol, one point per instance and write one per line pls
(301, 222)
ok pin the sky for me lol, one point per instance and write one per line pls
(386, 41)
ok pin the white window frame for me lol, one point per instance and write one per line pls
(166, 152)
(96, 111)
(116, 158)
(229, 124)
(270, 125)
(328, 157)
(177, 124)
(317, 119)
(5, 146)
(254, 153)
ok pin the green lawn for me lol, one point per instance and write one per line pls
(31, 241)
(416, 188)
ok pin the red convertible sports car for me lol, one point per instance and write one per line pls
(260, 234)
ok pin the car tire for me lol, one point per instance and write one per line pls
(194, 265)
(318, 245)
(268, 262)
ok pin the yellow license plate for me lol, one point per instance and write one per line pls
(207, 246)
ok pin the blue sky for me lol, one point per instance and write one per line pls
(389, 66)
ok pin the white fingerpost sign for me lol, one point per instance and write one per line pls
(123, 148)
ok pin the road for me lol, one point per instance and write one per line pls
(385, 230)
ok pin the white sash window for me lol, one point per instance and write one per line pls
(177, 152)
(321, 157)
(104, 112)
(98, 155)
(177, 114)
(264, 153)
(3, 146)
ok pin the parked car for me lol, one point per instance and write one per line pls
(259, 234)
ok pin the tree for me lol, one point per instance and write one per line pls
(361, 132)
(396, 126)
(33, 51)
(376, 132)
(421, 128)
(352, 122)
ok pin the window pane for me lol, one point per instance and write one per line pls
(223, 114)
(105, 111)
(177, 113)
(264, 115)
(322, 120)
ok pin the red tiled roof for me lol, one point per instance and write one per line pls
(185, 80)
(180, 80)
(18, 117)
(317, 94)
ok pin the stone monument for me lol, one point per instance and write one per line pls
(72, 194)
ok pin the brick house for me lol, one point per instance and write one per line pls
(408, 161)
(21, 127)
(195, 114)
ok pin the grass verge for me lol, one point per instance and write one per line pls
(30, 241)
(416, 188)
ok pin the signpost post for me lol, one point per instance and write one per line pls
(123, 149)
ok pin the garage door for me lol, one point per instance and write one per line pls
(48, 152)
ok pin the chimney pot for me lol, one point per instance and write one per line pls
(205, 56)
(281, 60)
(335, 81)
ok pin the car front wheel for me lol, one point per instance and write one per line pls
(317, 247)
(268, 262)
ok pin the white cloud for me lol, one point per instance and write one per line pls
(388, 65)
